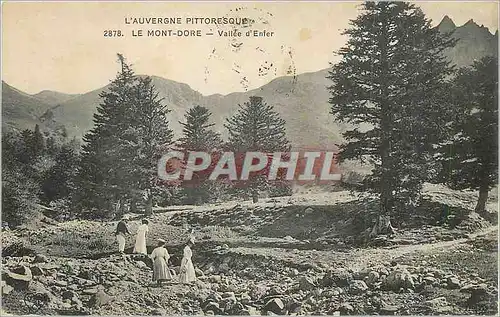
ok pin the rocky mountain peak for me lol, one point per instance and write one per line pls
(446, 25)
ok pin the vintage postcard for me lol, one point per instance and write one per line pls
(249, 158)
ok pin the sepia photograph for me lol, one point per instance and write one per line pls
(257, 158)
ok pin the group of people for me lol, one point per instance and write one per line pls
(159, 255)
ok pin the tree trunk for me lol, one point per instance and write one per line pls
(383, 223)
(148, 211)
(133, 205)
(255, 196)
(122, 207)
(481, 202)
(382, 226)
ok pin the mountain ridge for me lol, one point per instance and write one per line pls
(301, 100)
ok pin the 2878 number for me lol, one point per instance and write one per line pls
(113, 33)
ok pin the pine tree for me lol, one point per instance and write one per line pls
(58, 181)
(119, 160)
(148, 137)
(257, 128)
(101, 178)
(470, 156)
(198, 137)
(392, 77)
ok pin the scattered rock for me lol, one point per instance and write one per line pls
(357, 287)
(99, 299)
(389, 310)
(346, 309)
(338, 277)
(40, 258)
(19, 278)
(399, 278)
(305, 283)
(274, 305)
(438, 305)
(453, 283)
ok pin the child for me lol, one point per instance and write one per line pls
(160, 258)
(187, 273)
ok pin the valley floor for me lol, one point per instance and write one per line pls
(295, 256)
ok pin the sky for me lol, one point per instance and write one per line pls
(61, 45)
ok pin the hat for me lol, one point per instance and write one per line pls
(161, 241)
(125, 217)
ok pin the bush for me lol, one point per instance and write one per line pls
(19, 197)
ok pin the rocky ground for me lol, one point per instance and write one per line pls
(298, 256)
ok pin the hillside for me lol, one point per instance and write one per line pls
(20, 110)
(302, 100)
(54, 97)
(295, 255)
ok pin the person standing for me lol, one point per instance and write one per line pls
(160, 258)
(121, 231)
(187, 272)
(140, 241)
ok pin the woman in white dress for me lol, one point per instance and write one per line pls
(187, 273)
(140, 241)
(160, 258)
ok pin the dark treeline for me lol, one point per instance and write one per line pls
(429, 122)
(115, 170)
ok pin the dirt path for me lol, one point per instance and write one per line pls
(357, 258)
(373, 256)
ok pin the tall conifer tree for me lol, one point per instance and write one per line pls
(391, 76)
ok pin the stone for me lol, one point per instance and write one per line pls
(99, 299)
(274, 305)
(439, 305)
(305, 283)
(346, 309)
(198, 272)
(37, 271)
(453, 283)
(90, 291)
(6, 289)
(337, 277)
(19, 278)
(372, 278)
(389, 310)
(357, 287)
(61, 283)
(141, 265)
(158, 312)
(399, 278)
(40, 258)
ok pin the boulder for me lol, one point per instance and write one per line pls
(338, 277)
(389, 310)
(6, 289)
(40, 258)
(357, 287)
(439, 305)
(19, 278)
(372, 278)
(306, 283)
(453, 283)
(37, 271)
(198, 272)
(274, 305)
(399, 278)
(99, 299)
